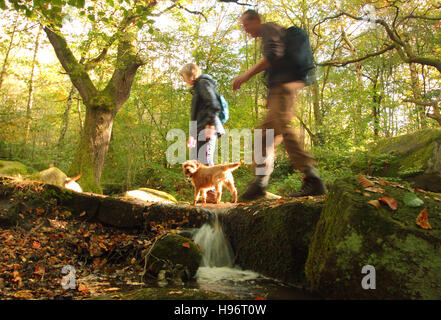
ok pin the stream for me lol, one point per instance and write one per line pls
(217, 272)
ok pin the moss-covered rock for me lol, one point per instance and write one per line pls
(52, 176)
(12, 168)
(175, 249)
(272, 237)
(151, 195)
(415, 157)
(352, 233)
(165, 294)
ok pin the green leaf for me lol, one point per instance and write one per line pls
(2, 4)
(411, 200)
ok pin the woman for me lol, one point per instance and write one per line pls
(205, 108)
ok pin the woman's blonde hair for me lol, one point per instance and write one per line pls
(191, 71)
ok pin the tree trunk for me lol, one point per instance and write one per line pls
(358, 125)
(101, 106)
(5, 61)
(94, 144)
(416, 91)
(30, 101)
(66, 118)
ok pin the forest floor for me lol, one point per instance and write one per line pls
(41, 242)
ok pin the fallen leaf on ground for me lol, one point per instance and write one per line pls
(39, 270)
(83, 288)
(58, 224)
(391, 202)
(423, 219)
(186, 244)
(375, 203)
(175, 292)
(364, 182)
(24, 294)
(259, 298)
(375, 189)
(35, 245)
(411, 200)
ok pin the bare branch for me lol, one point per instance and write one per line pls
(163, 11)
(422, 103)
(190, 11)
(343, 63)
(422, 17)
(324, 20)
(236, 2)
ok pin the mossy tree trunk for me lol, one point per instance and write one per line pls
(101, 105)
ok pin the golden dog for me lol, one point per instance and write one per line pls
(204, 177)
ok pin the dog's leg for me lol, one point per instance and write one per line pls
(229, 183)
(204, 195)
(218, 193)
(196, 195)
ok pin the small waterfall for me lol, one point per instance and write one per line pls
(217, 272)
(216, 250)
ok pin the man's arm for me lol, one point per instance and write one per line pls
(262, 65)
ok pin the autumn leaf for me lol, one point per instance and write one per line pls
(423, 219)
(83, 288)
(58, 224)
(35, 245)
(375, 203)
(39, 270)
(82, 213)
(375, 189)
(391, 202)
(186, 244)
(259, 298)
(364, 182)
(39, 211)
(175, 292)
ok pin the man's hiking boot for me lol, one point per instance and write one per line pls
(211, 196)
(253, 192)
(311, 187)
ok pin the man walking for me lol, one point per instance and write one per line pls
(283, 83)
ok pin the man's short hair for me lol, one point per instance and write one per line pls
(250, 14)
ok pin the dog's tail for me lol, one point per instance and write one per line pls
(231, 166)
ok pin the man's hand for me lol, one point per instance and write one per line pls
(237, 82)
(262, 65)
(209, 131)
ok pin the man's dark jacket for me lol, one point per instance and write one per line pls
(205, 105)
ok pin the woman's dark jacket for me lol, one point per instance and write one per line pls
(205, 105)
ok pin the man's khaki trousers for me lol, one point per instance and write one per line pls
(280, 106)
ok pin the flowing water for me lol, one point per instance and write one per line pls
(217, 272)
